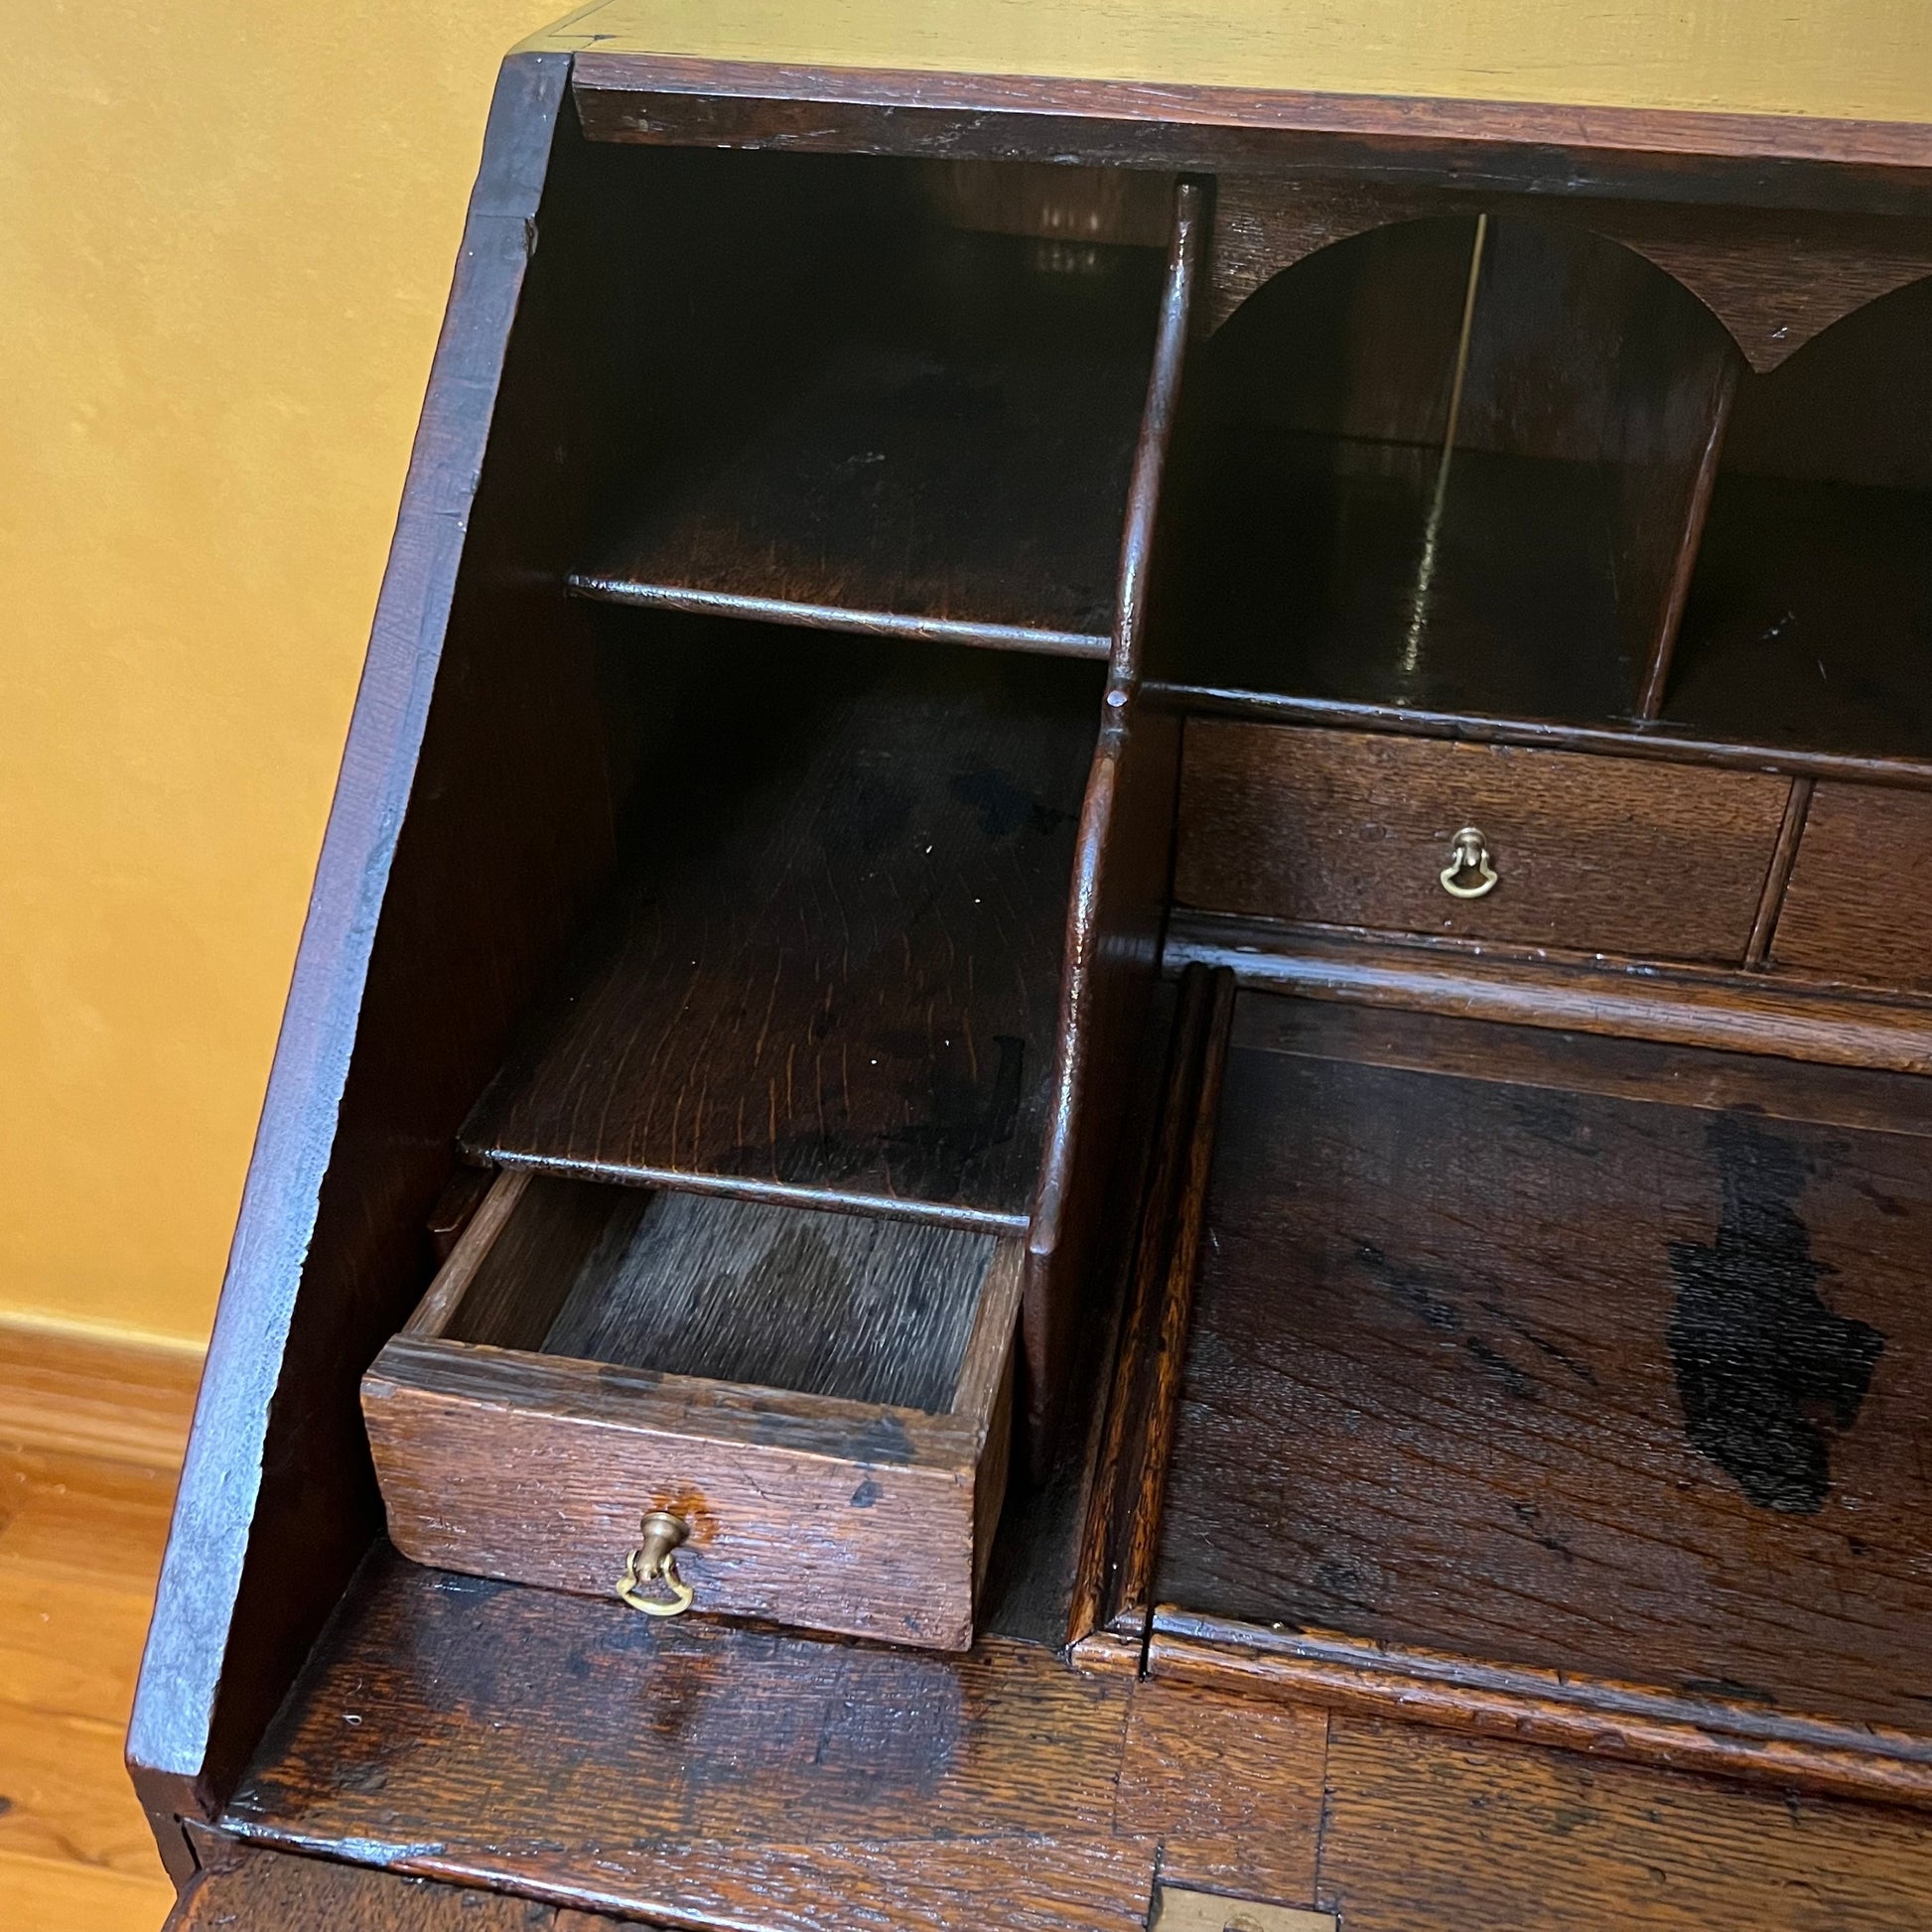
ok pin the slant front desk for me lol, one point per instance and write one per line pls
(1110, 1098)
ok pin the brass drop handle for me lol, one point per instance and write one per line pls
(1468, 852)
(652, 1566)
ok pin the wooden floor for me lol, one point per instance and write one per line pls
(90, 1441)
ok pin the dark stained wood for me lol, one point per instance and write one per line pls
(1772, 160)
(1859, 902)
(1564, 1382)
(952, 463)
(1686, 1006)
(1425, 1829)
(254, 1890)
(1774, 278)
(1809, 620)
(838, 977)
(1502, 525)
(1778, 878)
(408, 974)
(699, 1773)
(1354, 829)
(1117, 1554)
(1232, 1788)
(1703, 394)
(454, 1208)
(1055, 202)
(1120, 876)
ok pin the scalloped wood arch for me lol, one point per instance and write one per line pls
(1774, 278)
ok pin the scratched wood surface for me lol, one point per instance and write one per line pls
(1563, 1379)
(511, 1739)
(702, 1773)
(833, 966)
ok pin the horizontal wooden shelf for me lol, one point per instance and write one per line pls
(963, 480)
(830, 969)
(1353, 569)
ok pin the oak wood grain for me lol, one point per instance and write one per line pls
(247, 1889)
(1859, 905)
(1232, 1787)
(1545, 1841)
(1656, 1421)
(700, 1773)
(1352, 829)
(841, 977)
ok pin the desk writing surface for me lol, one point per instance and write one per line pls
(1843, 59)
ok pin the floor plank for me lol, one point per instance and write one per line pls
(90, 1439)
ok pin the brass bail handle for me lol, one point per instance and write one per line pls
(651, 1567)
(1468, 852)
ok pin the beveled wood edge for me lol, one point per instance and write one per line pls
(684, 1407)
(884, 1207)
(603, 587)
(986, 1360)
(433, 1313)
(1594, 1715)
(1736, 1011)
(1648, 131)
(1661, 742)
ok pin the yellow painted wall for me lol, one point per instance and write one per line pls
(225, 237)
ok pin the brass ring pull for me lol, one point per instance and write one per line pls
(1469, 853)
(655, 1563)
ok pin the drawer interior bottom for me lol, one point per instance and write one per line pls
(735, 1291)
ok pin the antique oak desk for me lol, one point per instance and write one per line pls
(1109, 1090)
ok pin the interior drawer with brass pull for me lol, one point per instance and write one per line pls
(695, 1402)
(1517, 845)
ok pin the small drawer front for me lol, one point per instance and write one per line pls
(800, 1511)
(1553, 849)
(1859, 902)
(813, 1408)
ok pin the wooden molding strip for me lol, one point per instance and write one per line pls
(1593, 1716)
(1663, 743)
(125, 1401)
(1754, 1012)
(1616, 130)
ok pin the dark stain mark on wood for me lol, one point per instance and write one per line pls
(1765, 1370)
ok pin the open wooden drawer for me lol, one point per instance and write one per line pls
(821, 1400)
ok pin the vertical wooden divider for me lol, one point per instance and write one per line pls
(1118, 903)
(1663, 645)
